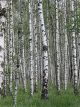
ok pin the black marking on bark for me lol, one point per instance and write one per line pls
(41, 24)
(45, 48)
(1, 34)
(38, 4)
(79, 44)
(3, 12)
(30, 39)
(17, 63)
(44, 94)
(2, 64)
(0, 48)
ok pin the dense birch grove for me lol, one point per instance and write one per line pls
(39, 47)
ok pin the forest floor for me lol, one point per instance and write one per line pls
(64, 99)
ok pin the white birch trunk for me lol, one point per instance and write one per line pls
(31, 46)
(66, 45)
(35, 47)
(79, 57)
(45, 52)
(11, 34)
(57, 48)
(74, 55)
(3, 5)
(1, 59)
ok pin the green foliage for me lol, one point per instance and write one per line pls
(65, 99)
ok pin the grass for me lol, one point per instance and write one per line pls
(65, 99)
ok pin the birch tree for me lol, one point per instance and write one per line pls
(35, 46)
(11, 34)
(66, 44)
(74, 54)
(3, 5)
(31, 45)
(57, 48)
(44, 94)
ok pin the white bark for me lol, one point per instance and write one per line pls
(35, 47)
(79, 57)
(11, 34)
(2, 40)
(57, 48)
(45, 52)
(74, 55)
(1, 58)
(31, 45)
(66, 44)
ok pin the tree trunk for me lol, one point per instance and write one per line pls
(44, 94)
